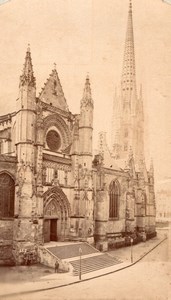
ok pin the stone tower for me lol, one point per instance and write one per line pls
(86, 126)
(85, 176)
(26, 223)
(128, 118)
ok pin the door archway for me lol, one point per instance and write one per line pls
(56, 215)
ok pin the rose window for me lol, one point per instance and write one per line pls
(53, 140)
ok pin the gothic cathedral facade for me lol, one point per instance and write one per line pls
(51, 186)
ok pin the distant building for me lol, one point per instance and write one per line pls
(163, 205)
(51, 186)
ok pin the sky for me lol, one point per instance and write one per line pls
(87, 37)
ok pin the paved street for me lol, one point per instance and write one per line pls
(149, 279)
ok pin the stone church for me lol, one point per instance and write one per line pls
(52, 188)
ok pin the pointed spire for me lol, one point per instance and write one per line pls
(128, 81)
(87, 98)
(27, 76)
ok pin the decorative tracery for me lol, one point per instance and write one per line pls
(56, 199)
(55, 121)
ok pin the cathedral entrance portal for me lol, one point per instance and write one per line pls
(56, 215)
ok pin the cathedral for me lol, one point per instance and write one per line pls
(52, 188)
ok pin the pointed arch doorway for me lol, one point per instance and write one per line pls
(56, 215)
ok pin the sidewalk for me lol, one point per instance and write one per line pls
(54, 280)
(139, 250)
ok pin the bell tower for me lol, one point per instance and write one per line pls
(128, 119)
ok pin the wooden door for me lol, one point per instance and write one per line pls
(46, 231)
(53, 229)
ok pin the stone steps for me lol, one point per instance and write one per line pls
(93, 263)
(91, 259)
(72, 250)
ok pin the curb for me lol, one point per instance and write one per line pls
(87, 279)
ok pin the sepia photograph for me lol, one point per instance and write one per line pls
(85, 149)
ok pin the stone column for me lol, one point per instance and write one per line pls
(101, 218)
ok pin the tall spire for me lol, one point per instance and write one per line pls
(128, 82)
(130, 114)
(87, 98)
(27, 76)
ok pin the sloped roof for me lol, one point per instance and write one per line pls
(52, 93)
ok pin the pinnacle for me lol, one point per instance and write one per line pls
(87, 98)
(27, 76)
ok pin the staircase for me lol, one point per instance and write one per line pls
(91, 259)
(93, 263)
(72, 250)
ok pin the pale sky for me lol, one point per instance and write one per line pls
(87, 36)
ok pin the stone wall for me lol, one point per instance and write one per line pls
(6, 236)
(8, 164)
(6, 230)
(48, 259)
(6, 256)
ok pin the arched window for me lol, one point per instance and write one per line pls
(7, 189)
(114, 192)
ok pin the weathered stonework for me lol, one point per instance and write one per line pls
(59, 191)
